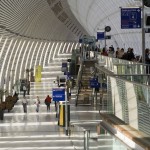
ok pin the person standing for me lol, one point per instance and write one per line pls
(24, 90)
(37, 103)
(28, 88)
(48, 102)
(147, 61)
(24, 103)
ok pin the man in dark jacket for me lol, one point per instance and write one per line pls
(147, 61)
(48, 102)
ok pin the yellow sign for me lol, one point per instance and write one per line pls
(38, 73)
(61, 111)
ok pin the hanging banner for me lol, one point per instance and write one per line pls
(38, 73)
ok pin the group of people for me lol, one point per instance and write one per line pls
(37, 102)
(119, 53)
(129, 55)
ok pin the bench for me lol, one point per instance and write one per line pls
(9, 103)
(138, 137)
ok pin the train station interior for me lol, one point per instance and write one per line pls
(75, 74)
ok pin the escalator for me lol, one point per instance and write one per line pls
(85, 92)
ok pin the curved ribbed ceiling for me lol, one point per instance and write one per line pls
(34, 32)
(94, 15)
(42, 19)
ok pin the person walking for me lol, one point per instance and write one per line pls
(24, 103)
(28, 88)
(37, 103)
(48, 102)
(24, 90)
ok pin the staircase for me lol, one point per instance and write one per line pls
(85, 91)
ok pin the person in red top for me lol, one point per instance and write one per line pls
(104, 52)
(48, 102)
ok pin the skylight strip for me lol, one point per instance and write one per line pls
(41, 55)
(64, 48)
(46, 54)
(14, 59)
(8, 64)
(54, 53)
(22, 60)
(17, 70)
(67, 48)
(49, 58)
(36, 56)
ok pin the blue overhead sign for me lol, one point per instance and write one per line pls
(100, 35)
(58, 94)
(94, 83)
(64, 64)
(130, 18)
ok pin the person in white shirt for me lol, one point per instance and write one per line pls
(24, 103)
(37, 103)
(24, 90)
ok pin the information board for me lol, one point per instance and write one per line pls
(58, 94)
(94, 83)
(130, 18)
(100, 35)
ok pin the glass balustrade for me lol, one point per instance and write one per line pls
(126, 98)
(120, 66)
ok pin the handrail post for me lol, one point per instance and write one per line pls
(66, 111)
(86, 139)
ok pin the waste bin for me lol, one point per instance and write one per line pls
(62, 116)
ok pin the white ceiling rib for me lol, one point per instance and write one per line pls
(43, 20)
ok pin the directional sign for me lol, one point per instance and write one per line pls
(64, 64)
(100, 35)
(108, 37)
(130, 18)
(58, 94)
(94, 83)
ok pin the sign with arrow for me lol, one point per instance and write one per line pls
(130, 18)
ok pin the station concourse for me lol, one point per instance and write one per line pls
(98, 51)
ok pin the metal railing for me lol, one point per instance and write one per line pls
(79, 137)
(142, 79)
(120, 66)
(128, 93)
(78, 82)
(89, 139)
